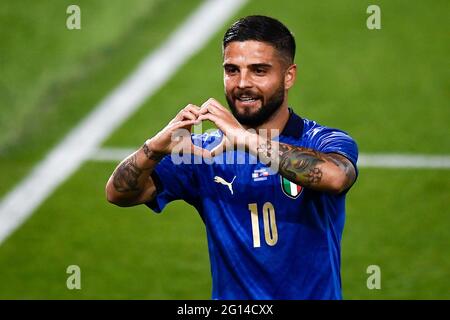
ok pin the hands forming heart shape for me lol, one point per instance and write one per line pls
(233, 133)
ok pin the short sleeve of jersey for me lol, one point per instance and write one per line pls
(173, 182)
(328, 140)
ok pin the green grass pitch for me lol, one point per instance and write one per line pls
(387, 88)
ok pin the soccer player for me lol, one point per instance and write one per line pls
(274, 205)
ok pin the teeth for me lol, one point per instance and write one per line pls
(246, 99)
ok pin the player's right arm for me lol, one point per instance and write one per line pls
(131, 184)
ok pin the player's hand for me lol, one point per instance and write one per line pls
(163, 143)
(233, 132)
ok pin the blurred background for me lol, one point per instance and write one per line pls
(388, 88)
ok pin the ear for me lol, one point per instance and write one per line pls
(289, 76)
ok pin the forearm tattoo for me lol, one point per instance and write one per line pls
(302, 165)
(127, 175)
(151, 155)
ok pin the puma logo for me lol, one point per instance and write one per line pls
(222, 181)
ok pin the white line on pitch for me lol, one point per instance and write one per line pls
(365, 159)
(404, 161)
(118, 106)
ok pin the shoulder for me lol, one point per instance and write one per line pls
(329, 140)
(314, 131)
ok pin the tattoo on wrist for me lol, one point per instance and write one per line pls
(266, 152)
(151, 155)
(127, 175)
(264, 148)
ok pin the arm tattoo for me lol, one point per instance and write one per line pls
(300, 164)
(151, 155)
(127, 175)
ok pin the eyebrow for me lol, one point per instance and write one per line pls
(254, 65)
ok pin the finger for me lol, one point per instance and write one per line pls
(209, 108)
(214, 109)
(207, 102)
(203, 109)
(217, 104)
(204, 104)
(192, 108)
(183, 124)
(211, 117)
(188, 115)
(212, 105)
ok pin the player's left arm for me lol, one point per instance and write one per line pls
(330, 172)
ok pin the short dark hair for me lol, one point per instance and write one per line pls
(264, 29)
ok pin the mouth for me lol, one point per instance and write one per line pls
(247, 100)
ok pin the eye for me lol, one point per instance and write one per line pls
(231, 69)
(260, 71)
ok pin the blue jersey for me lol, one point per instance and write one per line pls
(268, 238)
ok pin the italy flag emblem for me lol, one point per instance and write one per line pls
(291, 189)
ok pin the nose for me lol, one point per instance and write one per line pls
(244, 80)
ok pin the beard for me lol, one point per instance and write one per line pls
(260, 116)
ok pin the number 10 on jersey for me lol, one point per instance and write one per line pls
(270, 225)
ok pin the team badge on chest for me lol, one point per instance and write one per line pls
(290, 189)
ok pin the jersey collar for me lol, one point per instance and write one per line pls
(294, 126)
